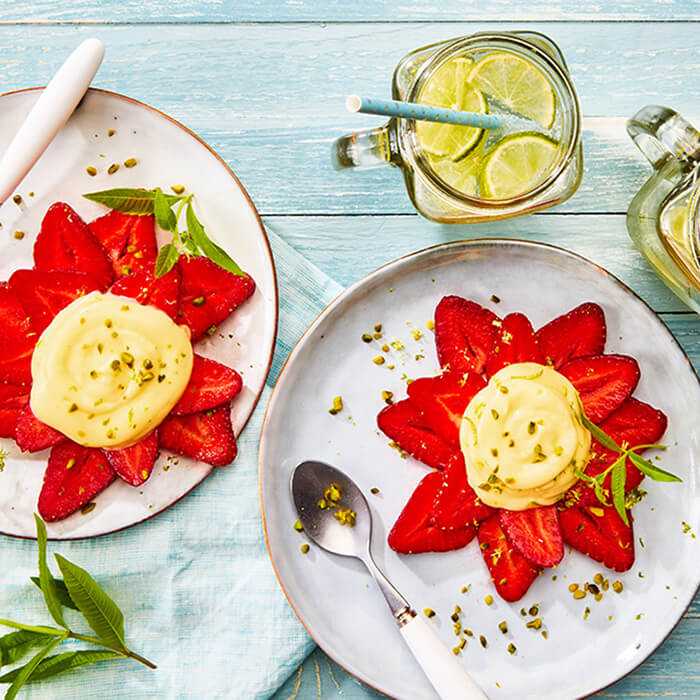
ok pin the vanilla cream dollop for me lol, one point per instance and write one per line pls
(523, 438)
(108, 370)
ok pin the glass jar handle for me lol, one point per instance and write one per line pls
(366, 149)
(660, 134)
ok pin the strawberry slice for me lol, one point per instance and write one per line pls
(535, 533)
(209, 294)
(161, 292)
(210, 385)
(129, 239)
(44, 294)
(600, 533)
(603, 382)
(32, 435)
(134, 464)
(411, 431)
(74, 476)
(579, 332)
(442, 400)
(464, 334)
(207, 436)
(413, 531)
(17, 339)
(13, 400)
(456, 505)
(635, 423)
(515, 342)
(512, 574)
(66, 243)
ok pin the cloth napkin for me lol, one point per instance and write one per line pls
(196, 586)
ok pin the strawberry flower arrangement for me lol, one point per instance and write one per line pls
(190, 280)
(592, 514)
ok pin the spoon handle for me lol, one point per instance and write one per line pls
(440, 665)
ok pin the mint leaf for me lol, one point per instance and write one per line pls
(617, 486)
(99, 610)
(167, 257)
(207, 246)
(61, 592)
(129, 200)
(26, 671)
(61, 663)
(46, 580)
(656, 473)
(165, 217)
(16, 645)
(601, 436)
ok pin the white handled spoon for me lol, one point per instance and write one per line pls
(309, 481)
(50, 112)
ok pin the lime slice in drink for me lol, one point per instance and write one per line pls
(448, 87)
(517, 84)
(462, 175)
(516, 164)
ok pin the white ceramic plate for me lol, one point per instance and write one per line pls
(167, 154)
(334, 597)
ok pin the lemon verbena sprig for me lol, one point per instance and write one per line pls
(193, 240)
(618, 469)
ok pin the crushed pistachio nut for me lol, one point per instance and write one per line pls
(579, 594)
(503, 627)
(378, 360)
(534, 624)
(17, 199)
(337, 405)
(388, 396)
(534, 610)
(512, 648)
(377, 327)
(298, 526)
(573, 587)
(483, 641)
(374, 491)
(177, 189)
(113, 168)
(91, 170)
(345, 516)
(617, 586)
(366, 338)
(429, 612)
(488, 599)
(305, 548)
(19, 235)
(130, 162)
(430, 324)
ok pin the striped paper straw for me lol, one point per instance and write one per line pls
(413, 110)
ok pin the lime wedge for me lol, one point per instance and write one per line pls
(448, 87)
(517, 84)
(516, 164)
(462, 175)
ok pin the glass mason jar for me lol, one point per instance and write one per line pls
(396, 142)
(663, 219)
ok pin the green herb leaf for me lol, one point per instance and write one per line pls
(46, 580)
(26, 671)
(167, 257)
(61, 592)
(656, 473)
(129, 200)
(16, 645)
(617, 485)
(99, 610)
(601, 436)
(207, 246)
(165, 217)
(61, 663)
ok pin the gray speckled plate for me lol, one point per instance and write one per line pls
(167, 154)
(335, 599)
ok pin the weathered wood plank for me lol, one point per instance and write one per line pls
(339, 11)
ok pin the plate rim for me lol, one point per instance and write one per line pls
(365, 279)
(275, 291)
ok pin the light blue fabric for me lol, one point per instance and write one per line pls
(197, 588)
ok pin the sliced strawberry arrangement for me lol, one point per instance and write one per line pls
(134, 464)
(74, 476)
(442, 401)
(13, 400)
(161, 292)
(511, 573)
(211, 384)
(465, 334)
(33, 436)
(207, 436)
(403, 423)
(209, 294)
(66, 243)
(129, 239)
(17, 339)
(602, 381)
(414, 531)
(44, 294)
(579, 332)
(515, 342)
(535, 533)
(600, 533)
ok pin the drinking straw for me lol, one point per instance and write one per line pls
(413, 110)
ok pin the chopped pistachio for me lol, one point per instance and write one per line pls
(88, 508)
(70, 463)
(573, 587)
(534, 624)
(430, 324)
(488, 599)
(579, 593)
(469, 633)
(113, 168)
(198, 301)
(454, 617)
(586, 613)
(593, 588)
(127, 358)
(377, 327)
(333, 493)
(495, 299)
(19, 235)
(111, 132)
(503, 627)
(385, 347)
(177, 189)
(534, 610)
(456, 650)
(512, 648)
(617, 586)
(130, 162)
(115, 365)
(345, 516)
(374, 491)
(376, 336)
(366, 338)
(147, 364)
(298, 526)
(305, 548)
(379, 360)
(322, 503)
(73, 408)
(429, 612)
(17, 199)
(462, 643)
(598, 512)
(483, 641)
(337, 405)
(388, 396)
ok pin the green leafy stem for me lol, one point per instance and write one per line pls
(77, 591)
(618, 469)
(193, 240)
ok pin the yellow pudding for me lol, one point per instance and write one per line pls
(108, 370)
(523, 438)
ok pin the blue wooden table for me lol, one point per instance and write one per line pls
(264, 83)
